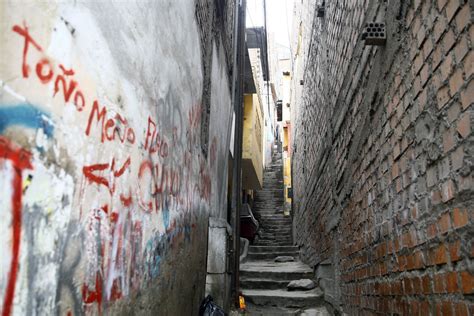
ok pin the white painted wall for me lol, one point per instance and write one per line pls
(119, 194)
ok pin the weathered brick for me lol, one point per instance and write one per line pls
(447, 191)
(439, 286)
(460, 217)
(444, 308)
(461, 49)
(468, 64)
(452, 282)
(448, 41)
(452, 7)
(439, 28)
(464, 125)
(446, 67)
(457, 158)
(431, 231)
(463, 18)
(437, 255)
(443, 96)
(427, 48)
(455, 82)
(437, 57)
(441, 4)
(467, 281)
(426, 284)
(467, 96)
(460, 309)
(448, 140)
(455, 251)
(444, 223)
(453, 111)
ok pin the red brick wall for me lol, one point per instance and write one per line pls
(383, 156)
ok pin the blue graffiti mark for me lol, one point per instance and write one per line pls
(166, 214)
(25, 115)
(158, 248)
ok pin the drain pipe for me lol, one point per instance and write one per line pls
(237, 98)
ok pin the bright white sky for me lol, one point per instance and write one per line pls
(279, 18)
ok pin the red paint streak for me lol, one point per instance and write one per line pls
(89, 173)
(67, 90)
(66, 72)
(149, 133)
(95, 295)
(78, 95)
(146, 164)
(28, 40)
(44, 78)
(126, 201)
(115, 294)
(21, 159)
(100, 116)
(121, 170)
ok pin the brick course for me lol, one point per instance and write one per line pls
(382, 155)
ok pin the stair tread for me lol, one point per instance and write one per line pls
(276, 267)
(283, 293)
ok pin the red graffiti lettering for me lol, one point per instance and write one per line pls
(154, 139)
(91, 173)
(67, 90)
(21, 160)
(145, 165)
(25, 68)
(109, 129)
(44, 78)
(149, 133)
(78, 96)
(99, 115)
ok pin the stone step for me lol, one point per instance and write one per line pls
(275, 233)
(272, 249)
(270, 255)
(255, 310)
(276, 222)
(275, 237)
(284, 298)
(261, 284)
(275, 219)
(269, 240)
(278, 217)
(275, 228)
(275, 225)
(276, 270)
(275, 243)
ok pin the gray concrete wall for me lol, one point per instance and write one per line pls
(107, 181)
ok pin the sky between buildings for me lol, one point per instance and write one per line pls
(279, 19)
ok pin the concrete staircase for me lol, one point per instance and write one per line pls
(264, 281)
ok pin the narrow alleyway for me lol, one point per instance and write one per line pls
(273, 262)
(237, 157)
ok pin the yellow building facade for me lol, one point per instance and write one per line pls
(252, 147)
